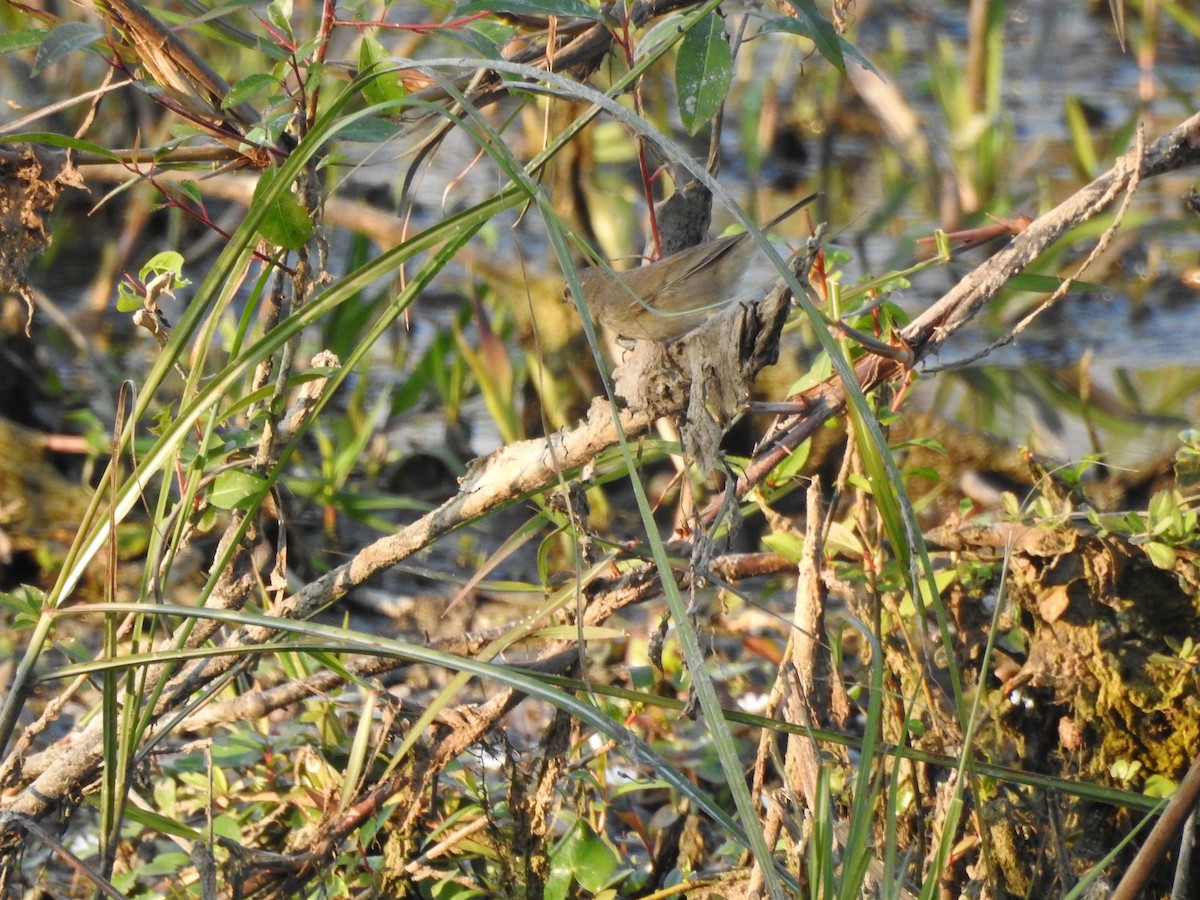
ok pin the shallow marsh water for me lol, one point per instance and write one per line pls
(1137, 329)
(1131, 327)
(1105, 324)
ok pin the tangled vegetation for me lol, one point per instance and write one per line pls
(378, 568)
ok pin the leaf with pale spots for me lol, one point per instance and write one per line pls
(703, 72)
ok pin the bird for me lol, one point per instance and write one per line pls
(664, 300)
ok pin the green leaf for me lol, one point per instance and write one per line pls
(1162, 505)
(703, 72)
(128, 299)
(1162, 555)
(166, 261)
(384, 86)
(165, 825)
(245, 88)
(1081, 136)
(227, 827)
(485, 38)
(279, 14)
(369, 130)
(814, 26)
(843, 540)
(58, 140)
(923, 472)
(191, 190)
(586, 856)
(165, 864)
(665, 30)
(573, 8)
(791, 466)
(789, 546)
(809, 23)
(286, 222)
(23, 39)
(821, 368)
(926, 443)
(63, 40)
(272, 49)
(558, 884)
(861, 482)
(236, 489)
(26, 604)
(1158, 786)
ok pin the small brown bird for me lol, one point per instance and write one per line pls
(665, 300)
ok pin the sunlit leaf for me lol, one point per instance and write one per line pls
(703, 72)
(166, 261)
(191, 190)
(1158, 786)
(1162, 555)
(279, 13)
(788, 545)
(235, 489)
(1081, 136)
(384, 86)
(791, 466)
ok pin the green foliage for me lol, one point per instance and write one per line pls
(25, 603)
(21, 39)
(1187, 459)
(286, 222)
(583, 858)
(703, 72)
(566, 8)
(60, 42)
(386, 86)
(340, 745)
(164, 270)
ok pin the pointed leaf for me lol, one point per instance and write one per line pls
(236, 489)
(585, 855)
(286, 222)
(384, 86)
(573, 8)
(247, 87)
(23, 39)
(809, 22)
(279, 13)
(51, 139)
(369, 130)
(703, 72)
(63, 40)
(1117, 8)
